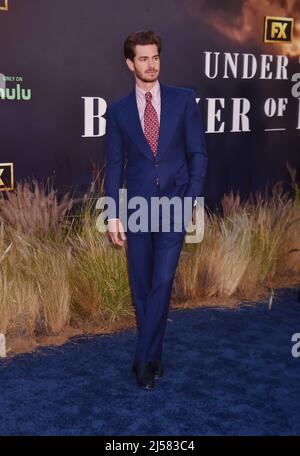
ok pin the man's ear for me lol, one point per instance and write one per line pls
(130, 64)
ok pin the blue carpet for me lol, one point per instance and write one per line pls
(227, 372)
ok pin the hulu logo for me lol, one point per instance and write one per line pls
(13, 93)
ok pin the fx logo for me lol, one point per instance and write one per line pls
(3, 5)
(6, 176)
(278, 29)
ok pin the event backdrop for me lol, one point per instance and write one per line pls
(62, 63)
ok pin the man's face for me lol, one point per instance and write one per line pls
(146, 63)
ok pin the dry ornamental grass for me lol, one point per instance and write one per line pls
(59, 275)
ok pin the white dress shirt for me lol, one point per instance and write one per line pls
(141, 101)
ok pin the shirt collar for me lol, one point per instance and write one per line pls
(141, 93)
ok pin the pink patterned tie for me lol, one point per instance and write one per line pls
(151, 125)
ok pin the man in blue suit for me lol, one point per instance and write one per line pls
(154, 136)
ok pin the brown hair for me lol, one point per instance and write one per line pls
(140, 37)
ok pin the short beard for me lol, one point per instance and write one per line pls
(152, 79)
(149, 80)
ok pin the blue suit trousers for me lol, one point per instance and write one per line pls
(152, 262)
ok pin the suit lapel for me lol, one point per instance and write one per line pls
(134, 125)
(167, 116)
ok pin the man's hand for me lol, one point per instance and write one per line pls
(116, 232)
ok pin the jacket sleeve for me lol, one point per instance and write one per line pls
(195, 147)
(114, 163)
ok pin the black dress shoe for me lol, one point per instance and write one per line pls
(158, 369)
(144, 374)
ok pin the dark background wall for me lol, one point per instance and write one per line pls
(68, 49)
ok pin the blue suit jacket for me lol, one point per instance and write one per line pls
(181, 157)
